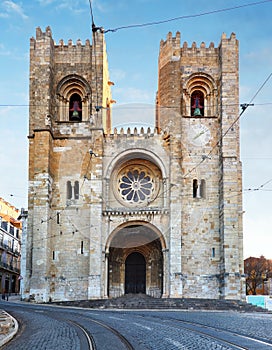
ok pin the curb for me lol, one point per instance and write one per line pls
(10, 326)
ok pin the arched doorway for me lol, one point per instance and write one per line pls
(135, 260)
(135, 273)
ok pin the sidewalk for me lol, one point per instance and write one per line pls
(8, 325)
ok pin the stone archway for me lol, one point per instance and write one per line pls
(135, 261)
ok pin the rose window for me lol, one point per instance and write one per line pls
(136, 186)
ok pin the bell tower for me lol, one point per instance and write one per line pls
(198, 105)
(69, 115)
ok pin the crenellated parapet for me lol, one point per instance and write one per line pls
(171, 49)
(79, 49)
(132, 132)
(201, 50)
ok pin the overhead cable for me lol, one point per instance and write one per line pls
(140, 25)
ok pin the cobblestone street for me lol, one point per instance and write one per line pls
(51, 327)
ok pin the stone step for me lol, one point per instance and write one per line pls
(140, 301)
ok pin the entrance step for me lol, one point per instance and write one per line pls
(142, 301)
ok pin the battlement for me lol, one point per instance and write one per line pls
(70, 43)
(47, 37)
(174, 42)
(171, 41)
(133, 132)
(171, 50)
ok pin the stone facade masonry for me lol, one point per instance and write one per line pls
(101, 202)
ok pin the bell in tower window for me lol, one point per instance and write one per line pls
(75, 110)
(197, 104)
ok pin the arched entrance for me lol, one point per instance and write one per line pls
(135, 260)
(135, 273)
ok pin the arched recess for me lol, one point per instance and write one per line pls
(74, 99)
(133, 154)
(136, 178)
(199, 91)
(131, 238)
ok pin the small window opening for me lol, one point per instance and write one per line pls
(53, 255)
(197, 104)
(58, 218)
(195, 187)
(75, 108)
(199, 190)
(76, 190)
(69, 190)
(81, 248)
(213, 252)
(202, 189)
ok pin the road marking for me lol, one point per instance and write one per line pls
(140, 325)
(116, 318)
(176, 343)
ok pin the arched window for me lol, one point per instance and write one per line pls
(74, 99)
(199, 189)
(76, 190)
(202, 189)
(197, 103)
(72, 190)
(75, 108)
(195, 187)
(199, 97)
(69, 190)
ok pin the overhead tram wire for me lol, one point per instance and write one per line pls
(147, 24)
(127, 105)
(244, 106)
(94, 30)
(91, 11)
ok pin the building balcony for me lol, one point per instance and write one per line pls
(9, 267)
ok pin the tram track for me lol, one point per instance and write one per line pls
(123, 340)
(83, 324)
(237, 341)
(89, 338)
(103, 330)
(231, 338)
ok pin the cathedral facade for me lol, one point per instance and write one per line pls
(133, 211)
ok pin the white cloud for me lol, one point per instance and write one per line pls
(46, 2)
(117, 74)
(11, 6)
(72, 5)
(133, 115)
(133, 95)
(100, 6)
(264, 55)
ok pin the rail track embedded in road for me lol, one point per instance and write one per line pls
(234, 339)
(124, 340)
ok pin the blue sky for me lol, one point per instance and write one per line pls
(133, 57)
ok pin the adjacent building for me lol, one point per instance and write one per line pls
(10, 248)
(134, 211)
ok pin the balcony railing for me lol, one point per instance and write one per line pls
(9, 249)
(9, 267)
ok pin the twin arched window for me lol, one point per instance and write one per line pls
(72, 190)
